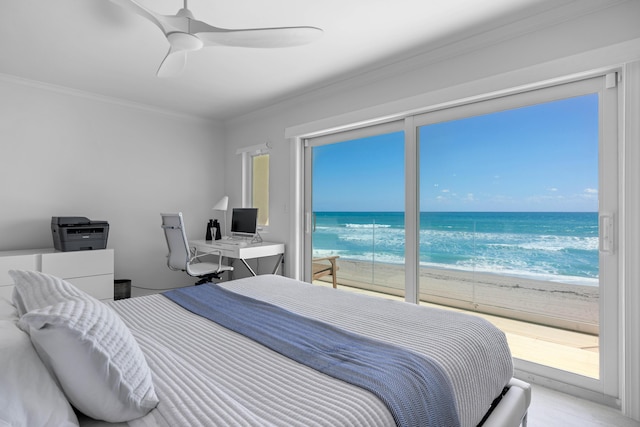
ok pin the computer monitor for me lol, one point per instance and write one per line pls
(244, 221)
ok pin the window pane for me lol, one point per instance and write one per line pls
(260, 187)
(358, 211)
(509, 226)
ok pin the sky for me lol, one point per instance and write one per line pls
(541, 158)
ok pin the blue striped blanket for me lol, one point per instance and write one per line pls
(414, 388)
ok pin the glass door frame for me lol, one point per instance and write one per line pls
(607, 388)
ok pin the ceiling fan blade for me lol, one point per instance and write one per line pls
(134, 7)
(167, 23)
(173, 63)
(255, 37)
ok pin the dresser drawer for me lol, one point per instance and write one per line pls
(100, 287)
(68, 265)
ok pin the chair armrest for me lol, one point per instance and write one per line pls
(196, 255)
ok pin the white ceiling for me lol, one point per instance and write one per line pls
(98, 47)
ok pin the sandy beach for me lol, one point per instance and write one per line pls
(567, 306)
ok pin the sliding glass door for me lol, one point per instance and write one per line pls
(514, 218)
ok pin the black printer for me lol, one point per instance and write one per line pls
(77, 233)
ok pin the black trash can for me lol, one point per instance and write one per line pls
(121, 289)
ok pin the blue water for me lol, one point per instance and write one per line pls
(553, 246)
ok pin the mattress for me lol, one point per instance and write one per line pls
(206, 375)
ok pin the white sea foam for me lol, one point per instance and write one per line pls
(372, 225)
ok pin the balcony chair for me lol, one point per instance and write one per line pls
(321, 268)
(183, 258)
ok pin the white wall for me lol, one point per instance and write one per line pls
(66, 153)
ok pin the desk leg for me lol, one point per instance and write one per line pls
(253, 273)
(275, 269)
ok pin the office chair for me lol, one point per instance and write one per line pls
(183, 258)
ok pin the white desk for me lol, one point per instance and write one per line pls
(243, 253)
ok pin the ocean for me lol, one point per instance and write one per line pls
(551, 246)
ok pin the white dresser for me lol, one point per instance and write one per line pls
(90, 271)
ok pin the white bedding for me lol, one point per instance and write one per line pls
(206, 375)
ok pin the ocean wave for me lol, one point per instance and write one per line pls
(522, 241)
(544, 276)
(553, 245)
(372, 225)
(370, 257)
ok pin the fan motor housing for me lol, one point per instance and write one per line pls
(184, 41)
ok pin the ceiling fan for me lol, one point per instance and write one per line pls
(186, 34)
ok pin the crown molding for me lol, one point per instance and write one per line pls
(64, 90)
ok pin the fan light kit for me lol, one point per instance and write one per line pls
(186, 34)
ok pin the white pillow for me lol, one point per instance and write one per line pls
(96, 360)
(34, 290)
(29, 396)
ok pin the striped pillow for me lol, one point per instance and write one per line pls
(34, 290)
(94, 356)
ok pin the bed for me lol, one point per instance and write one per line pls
(206, 374)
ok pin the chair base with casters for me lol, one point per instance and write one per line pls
(321, 269)
(202, 270)
(183, 258)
